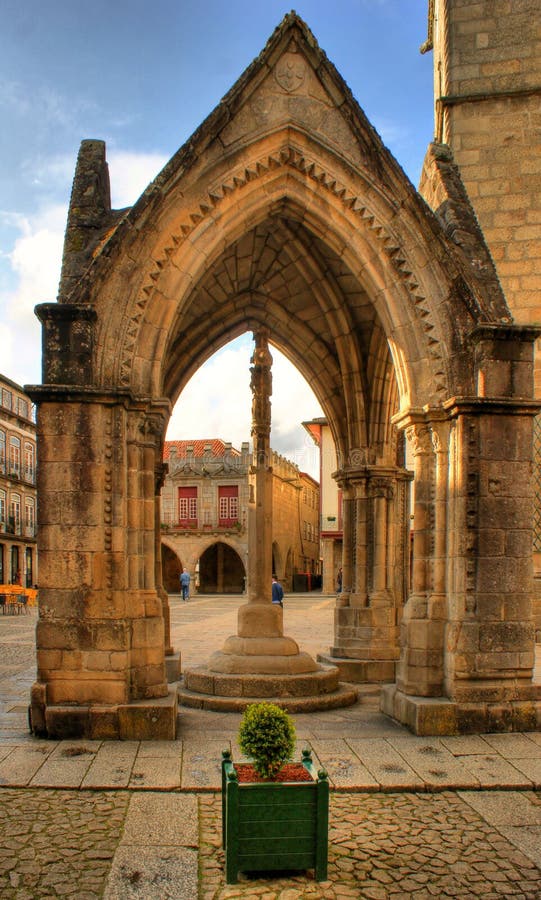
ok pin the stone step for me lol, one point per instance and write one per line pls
(343, 696)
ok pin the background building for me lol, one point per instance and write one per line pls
(330, 503)
(204, 503)
(18, 562)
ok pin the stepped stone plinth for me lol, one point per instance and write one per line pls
(253, 668)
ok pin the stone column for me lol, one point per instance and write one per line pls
(381, 493)
(348, 511)
(260, 616)
(160, 473)
(490, 636)
(366, 625)
(420, 670)
(100, 643)
(482, 598)
(437, 601)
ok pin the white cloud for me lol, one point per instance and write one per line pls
(130, 173)
(34, 266)
(31, 265)
(216, 403)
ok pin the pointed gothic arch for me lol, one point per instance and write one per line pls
(285, 210)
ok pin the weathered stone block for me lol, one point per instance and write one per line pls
(463, 637)
(65, 570)
(63, 723)
(84, 692)
(104, 723)
(525, 716)
(48, 660)
(490, 607)
(500, 717)
(147, 632)
(426, 635)
(506, 636)
(149, 720)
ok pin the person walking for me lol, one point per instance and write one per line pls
(277, 591)
(185, 584)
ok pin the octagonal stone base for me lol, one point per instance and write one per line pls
(432, 716)
(310, 692)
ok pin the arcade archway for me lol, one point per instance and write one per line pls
(221, 570)
(285, 211)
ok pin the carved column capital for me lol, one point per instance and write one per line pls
(380, 487)
(440, 436)
(420, 438)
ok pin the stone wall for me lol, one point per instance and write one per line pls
(487, 63)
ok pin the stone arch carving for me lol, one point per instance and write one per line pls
(286, 211)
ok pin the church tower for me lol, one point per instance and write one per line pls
(487, 95)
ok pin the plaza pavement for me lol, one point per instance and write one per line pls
(410, 817)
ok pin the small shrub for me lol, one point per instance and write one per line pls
(267, 734)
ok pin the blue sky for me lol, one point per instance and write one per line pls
(142, 75)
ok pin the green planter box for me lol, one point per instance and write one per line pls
(274, 826)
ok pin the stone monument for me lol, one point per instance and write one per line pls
(260, 662)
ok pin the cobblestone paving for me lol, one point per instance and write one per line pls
(58, 843)
(388, 847)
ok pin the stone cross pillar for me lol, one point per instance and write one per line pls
(260, 505)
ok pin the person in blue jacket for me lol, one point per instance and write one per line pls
(277, 591)
(185, 584)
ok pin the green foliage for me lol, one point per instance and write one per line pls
(267, 735)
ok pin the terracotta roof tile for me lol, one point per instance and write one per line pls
(217, 447)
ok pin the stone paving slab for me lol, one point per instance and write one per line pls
(21, 765)
(513, 746)
(527, 839)
(505, 807)
(67, 765)
(202, 764)
(153, 873)
(387, 766)
(162, 819)
(531, 769)
(151, 772)
(495, 772)
(5, 751)
(464, 745)
(343, 766)
(434, 764)
(112, 765)
(157, 857)
(161, 749)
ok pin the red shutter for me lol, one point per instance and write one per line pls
(228, 505)
(187, 507)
